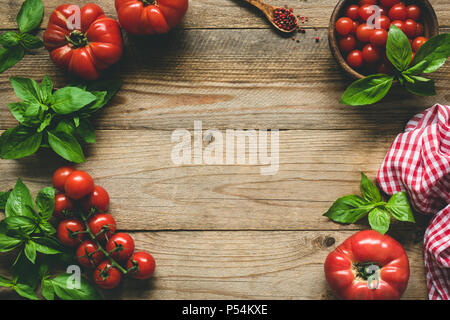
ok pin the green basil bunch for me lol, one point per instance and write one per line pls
(27, 230)
(16, 43)
(430, 57)
(54, 119)
(352, 208)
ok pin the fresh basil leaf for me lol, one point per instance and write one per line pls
(379, 220)
(111, 87)
(399, 207)
(45, 249)
(66, 146)
(76, 121)
(24, 271)
(10, 56)
(348, 209)
(398, 48)
(85, 131)
(30, 251)
(30, 15)
(3, 198)
(47, 290)
(421, 86)
(9, 39)
(433, 54)
(417, 69)
(48, 244)
(27, 113)
(25, 291)
(23, 223)
(28, 41)
(368, 90)
(8, 243)
(67, 291)
(65, 125)
(71, 99)
(26, 89)
(96, 105)
(19, 142)
(46, 89)
(19, 201)
(369, 190)
(45, 123)
(5, 282)
(45, 202)
(47, 227)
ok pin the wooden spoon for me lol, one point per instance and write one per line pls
(268, 11)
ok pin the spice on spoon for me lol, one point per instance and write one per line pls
(285, 19)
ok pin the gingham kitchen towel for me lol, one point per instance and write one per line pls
(418, 162)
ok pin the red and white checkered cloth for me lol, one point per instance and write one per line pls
(418, 162)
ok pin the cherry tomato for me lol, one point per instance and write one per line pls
(371, 54)
(347, 43)
(344, 26)
(384, 68)
(363, 2)
(413, 12)
(378, 37)
(143, 263)
(87, 254)
(355, 26)
(63, 205)
(383, 22)
(410, 28)
(102, 225)
(365, 11)
(352, 12)
(60, 177)
(78, 184)
(419, 30)
(399, 24)
(120, 246)
(418, 42)
(106, 276)
(383, 11)
(66, 230)
(98, 198)
(363, 32)
(355, 59)
(389, 3)
(398, 12)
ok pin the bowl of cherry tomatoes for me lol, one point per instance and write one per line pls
(359, 29)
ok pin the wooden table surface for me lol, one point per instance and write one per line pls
(226, 231)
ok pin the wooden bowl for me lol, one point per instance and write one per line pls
(428, 17)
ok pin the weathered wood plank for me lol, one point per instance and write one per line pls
(233, 78)
(247, 265)
(316, 167)
(221, 13)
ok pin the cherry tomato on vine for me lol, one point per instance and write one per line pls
(413, 12)
(63, 204)
(378, 37)
(70, 232)
(344, 26)
(143, 265)
(389, 3)
(60, 176)
(347, 43)
(398, 12)
(418, 42)
(98, 198)
(78, 184)
(102, 225)
(120, 246)
(410, 28)
(352, 12)
(88, 255)
(355, 59)
(371, 53)
(106, 276)
(363, 32)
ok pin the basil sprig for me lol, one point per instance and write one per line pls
(27, 230)
(352, 208)
(54, 119)
(430, 57)
(15, 44)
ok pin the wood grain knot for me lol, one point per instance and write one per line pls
(329, 241)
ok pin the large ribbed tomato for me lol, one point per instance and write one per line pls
(83, 41)
(150, 16)
(368, 266)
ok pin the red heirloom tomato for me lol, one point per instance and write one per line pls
(143, 265)
(102, 224)
(78, 184)
(368, 266)
(120, 246)
(99, 199)
(83, 41)
(60, 177)
(150, 16)
(106, 276)
(88, 255)
(70, 232)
